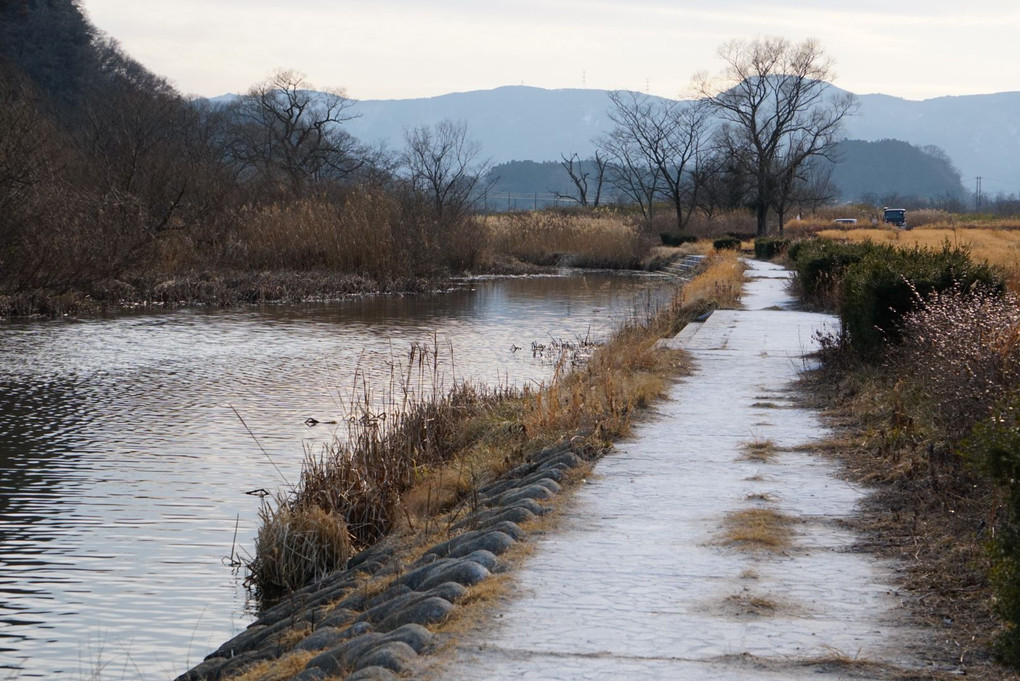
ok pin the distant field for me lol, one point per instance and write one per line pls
(999, 247)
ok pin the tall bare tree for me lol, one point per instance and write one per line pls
(293, 135)
(442, 164)
(778, 111)
(655, 145)
(634, 148)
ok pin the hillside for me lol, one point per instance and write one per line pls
(887, 171)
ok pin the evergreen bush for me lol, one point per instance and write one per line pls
(767, 248)
(887, 283)
(676, 238)
(731, 243)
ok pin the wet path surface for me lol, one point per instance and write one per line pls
(640, 579)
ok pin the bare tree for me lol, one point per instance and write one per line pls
(778, 111)
(441, 163)
(683, 164)
(293, 135)
(657, 144)
(580, 173)
(24, 152)
(634, 148)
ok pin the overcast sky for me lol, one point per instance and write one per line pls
(393, 49)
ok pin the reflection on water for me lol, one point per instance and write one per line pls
(124, 466)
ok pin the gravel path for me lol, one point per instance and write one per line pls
(641, 580)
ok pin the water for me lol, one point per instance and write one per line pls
(124, 460)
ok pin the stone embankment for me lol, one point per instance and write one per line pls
(370, 621)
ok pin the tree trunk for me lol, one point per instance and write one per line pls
(761, 212)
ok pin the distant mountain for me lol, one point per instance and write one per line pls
(980, 133)
(514, 123)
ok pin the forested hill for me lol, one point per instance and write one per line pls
(50, 41)
(887, 169)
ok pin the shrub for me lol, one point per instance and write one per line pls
(962, 350)
(820, 265)
(731, 243)
(677, 239)
(767, 248)
(995, 445)
(887, 283)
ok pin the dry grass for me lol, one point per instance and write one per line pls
(287, 667)
(925, 511)
(758, 529)
(761, 498)
(602, 239)
(761, 450)
(720, 284)
(355, 236)
(297, 544)
(749, 604)
(723, 224)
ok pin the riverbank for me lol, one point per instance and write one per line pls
(198, 289)
(491, 498)
(241, 287)
(125, 466)
(313, 251)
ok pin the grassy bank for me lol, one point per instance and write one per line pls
(401, 466)
(923, 401)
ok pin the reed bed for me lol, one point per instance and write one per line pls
(604, 240)
(420, 448)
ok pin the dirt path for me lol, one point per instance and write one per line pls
(710, 545)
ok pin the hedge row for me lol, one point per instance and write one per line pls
(874, 286)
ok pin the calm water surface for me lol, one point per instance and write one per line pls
(123, 466)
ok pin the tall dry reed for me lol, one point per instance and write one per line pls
(548, 238)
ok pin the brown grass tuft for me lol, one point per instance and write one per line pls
(758, 529)
(296, 544)
(762, 450)
(286, 667)
(748, 604)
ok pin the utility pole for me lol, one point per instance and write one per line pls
(977, 193)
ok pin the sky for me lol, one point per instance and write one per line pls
(397, 49)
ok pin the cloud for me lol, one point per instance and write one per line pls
(399, 48)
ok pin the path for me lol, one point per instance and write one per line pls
(639, 581)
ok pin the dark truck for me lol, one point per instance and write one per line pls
(896, 216)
